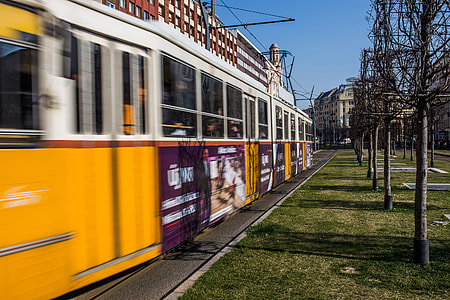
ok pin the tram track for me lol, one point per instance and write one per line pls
(172, 274)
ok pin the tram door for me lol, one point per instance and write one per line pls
(252, 149)
(134, 161)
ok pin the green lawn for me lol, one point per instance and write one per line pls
(442, 152)
(333, 240)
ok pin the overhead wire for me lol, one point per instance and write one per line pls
(253, 11)
(230, 9)
(246, 28)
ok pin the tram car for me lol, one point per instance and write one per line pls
(119, 140)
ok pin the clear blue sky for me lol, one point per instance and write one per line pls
(326, 37)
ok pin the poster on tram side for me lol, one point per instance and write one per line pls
(228, 180)
(279, 163)
(199, 186)
(266, 175)
(300, 157)
(294, 152)
(309, 155)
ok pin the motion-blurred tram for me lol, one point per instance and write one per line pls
(119, 140)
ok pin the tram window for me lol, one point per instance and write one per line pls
(286, 125)
(142, 92)
(212, 104)
(279, 122)
(75, 75)
(178, 99)
(97, 86)
(234, 107)
(18, 93)
(301, 135)
(212, 95)
(179, 84)
(212, 127)
(292, 127)
(128, 112)
(251, 119)
(186, 126)
(309, 132)
(262, 120)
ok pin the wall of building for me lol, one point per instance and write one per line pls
(333, 113)
(229, 45)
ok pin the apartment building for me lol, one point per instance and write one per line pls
(333, 113)
(186, 16)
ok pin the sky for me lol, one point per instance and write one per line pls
(326, 37)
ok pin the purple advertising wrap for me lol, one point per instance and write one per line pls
(300, 157)
(266, 176)
(279, 163)
(199, 186)
(294, 148)
(309, 155)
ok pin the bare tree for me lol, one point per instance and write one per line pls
(416, 40)
(366, 109)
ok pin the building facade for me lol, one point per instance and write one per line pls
(186, 16)
(333, 114)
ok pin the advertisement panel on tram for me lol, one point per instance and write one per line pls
(199, 186)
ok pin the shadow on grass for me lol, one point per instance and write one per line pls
(338, 204)
(276, 238)
(346, 188)
(359, 205)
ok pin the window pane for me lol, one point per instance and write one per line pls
(279, 122)
(212, 95)
(300, 130)
(251, 118)
(18, 87)
(185, 124)
(234, 102)
(128, 111)
(97, 86)
(263, 132)
(179, 84)
(234, 129)
(142, 92)
(292, 127)
(75, 75)
(286, 125)
(212, 127)
(262, 116)
(262, 111)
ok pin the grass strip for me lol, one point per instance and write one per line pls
(333, 240)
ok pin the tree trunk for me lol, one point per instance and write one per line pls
(369, 169)
(361, 161)
(375, 148)
(393, 146)
(432, 142)
(404, 143)
(387, 165)
(412, 147)
(421, 242)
